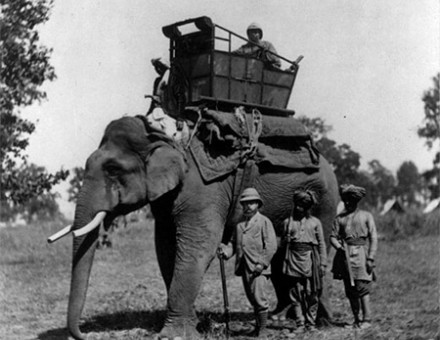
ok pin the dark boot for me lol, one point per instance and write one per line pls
(262, 325)
(260, 330)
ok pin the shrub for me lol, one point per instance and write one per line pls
(411, 222)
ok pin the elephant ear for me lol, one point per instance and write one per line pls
(165, 169)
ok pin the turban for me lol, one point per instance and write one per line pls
(306, 198)
(352, 192)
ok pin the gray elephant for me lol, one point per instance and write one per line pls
(135, 165)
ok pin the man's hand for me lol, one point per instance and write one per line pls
(370, 266)
(294, 67)
(258, 269)
(222, 251)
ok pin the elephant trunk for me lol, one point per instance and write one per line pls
(83, 253)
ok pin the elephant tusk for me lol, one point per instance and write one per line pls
(92, 225)
(63, 232)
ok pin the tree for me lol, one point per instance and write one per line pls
(431, 179)
(430, 130)
(24, 68)
(317, 127)
(344, 160)
(377, 180)
(408, 182)
(75, 183)
(42, 205)
(383, 183)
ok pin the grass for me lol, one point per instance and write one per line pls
(126, 297)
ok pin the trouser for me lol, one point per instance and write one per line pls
(256, 288)
(304, 301)
(360, 288)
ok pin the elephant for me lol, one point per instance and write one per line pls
(136, 165)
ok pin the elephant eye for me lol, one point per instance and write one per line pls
(113, 170)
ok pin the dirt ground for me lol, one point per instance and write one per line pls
(126, 297)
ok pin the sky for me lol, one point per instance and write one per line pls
(366, 65)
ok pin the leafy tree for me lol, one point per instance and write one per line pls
(43, 207)
(408, 182)
(430, 130)
(383, 183)
(344, 160)
(75, 183)
(317, 127)
(39, 206)
(347, 164)
(431, 179)
(24, 68)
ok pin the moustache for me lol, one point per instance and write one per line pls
(248, 212)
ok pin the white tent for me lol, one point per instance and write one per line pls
(432, 206)
(392, 204)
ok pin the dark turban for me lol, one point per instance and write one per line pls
(350, 191)
(306, 198)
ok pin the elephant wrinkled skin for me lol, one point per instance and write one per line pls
(133, 167)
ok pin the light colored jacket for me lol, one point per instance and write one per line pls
(358, 224)
(254, 242)
(262, 52)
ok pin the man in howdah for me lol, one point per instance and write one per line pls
(354, 236)
(305, 260)
(159, 114)
(259, 48)
(161, 66)
(254, 242)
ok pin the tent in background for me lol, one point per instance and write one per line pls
(392, 205)
(434, 204)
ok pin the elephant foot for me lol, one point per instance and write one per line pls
(181, 330)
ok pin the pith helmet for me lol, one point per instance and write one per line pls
(250, 194)
(255, 26)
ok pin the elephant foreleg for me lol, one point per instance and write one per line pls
(195, 250)
(165, 238)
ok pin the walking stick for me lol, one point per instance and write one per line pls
(225, 294)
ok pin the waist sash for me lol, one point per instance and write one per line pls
(361, 241)
(301, 246)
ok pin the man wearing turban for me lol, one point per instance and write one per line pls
(354, 236)
(305, 259)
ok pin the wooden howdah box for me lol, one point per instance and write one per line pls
(221, 77)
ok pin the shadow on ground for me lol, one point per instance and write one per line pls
(150, 321)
